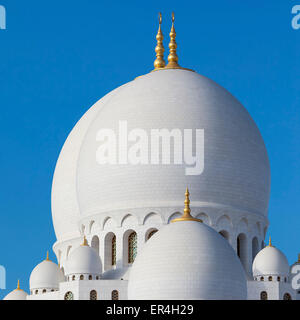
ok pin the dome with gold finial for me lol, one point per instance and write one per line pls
(235, 177)
(270, 261)
(187, 260)
(17, 294)
(83, 263)
(46, 276)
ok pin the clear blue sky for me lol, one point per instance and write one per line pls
(57, 58)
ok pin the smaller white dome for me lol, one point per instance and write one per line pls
(270, 261)
(46, 275)
(17, 294)
(84, 260)
(116, 274)
(187, 260)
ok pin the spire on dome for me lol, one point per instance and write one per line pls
(159, 49)
(270, 242)
(298, 257)
(85, 243)
(187, 211)
(47, 257)
(18, 285)
(173, 58)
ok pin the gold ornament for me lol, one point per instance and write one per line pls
(187, 211)
(159, 62)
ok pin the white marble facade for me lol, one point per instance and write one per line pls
(112, 203)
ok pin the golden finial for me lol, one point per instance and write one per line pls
(47, 257)
(85, 243)
(159, 62)
(270, 242)
(298, 257)
(18, 285)
(187, 211)
(173, 58)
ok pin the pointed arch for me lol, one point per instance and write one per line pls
(109, 251)
(242, 249)
(174, 215)
(224, 222)
(91, 225)
(152, 218)
(132, 247)
(149, 233)
(95, 243)
(204, 217)
(129, 220)
(108, 223)
(255, 248)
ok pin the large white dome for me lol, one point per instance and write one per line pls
(270, 261)
(46, 275)
(236, 168)
(187, 260)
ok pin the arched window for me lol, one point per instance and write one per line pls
(115, 295)
(109, 251)
(287, 296)
(278, 279)
(241, 247)
(97, 278)
(270, 278)
(95, 243)
(44, 290)
(255, 248)
(263, 295)
(81, 277)
(261, 278)
(73, 278)
(90, 277)
(151, 233)
(285, 279)
(36, 291)
(93, 295)
(113, 251)
(69, 296)
(132, 247)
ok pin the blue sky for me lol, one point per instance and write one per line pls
(57, 58)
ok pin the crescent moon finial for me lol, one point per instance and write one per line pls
(159, 62)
